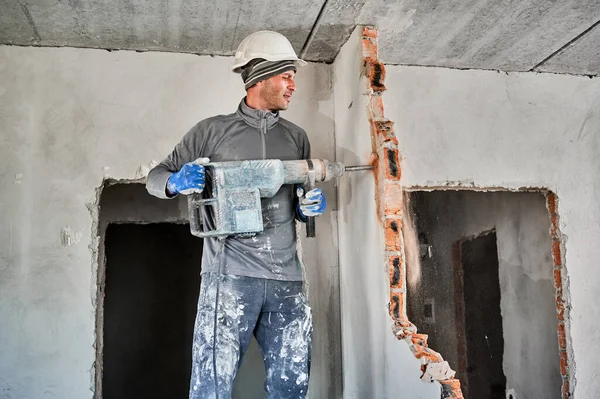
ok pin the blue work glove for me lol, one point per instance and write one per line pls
(189, 179)
(313, 203)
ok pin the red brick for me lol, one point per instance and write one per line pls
(376, 75)
(392, 197)
(376, 109)
(389, 198)
(392, 234)
(554, 227)
(556, 253)
(558, 279)
(423, 352)
(396, 268)
(451, 389)
(560, 309)
(551, 203)
(562, 338)
(418, 350)
(369, 50)
(384, 128)
(563, 362)
(432, 356)
(370, 31)
(420, 339)
(565, 389)
(397, 307)
(409, 326)
(392, 164)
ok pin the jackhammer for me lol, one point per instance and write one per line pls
(238, 186)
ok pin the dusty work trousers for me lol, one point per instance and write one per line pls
(278, 314)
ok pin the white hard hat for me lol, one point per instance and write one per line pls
(269, 45)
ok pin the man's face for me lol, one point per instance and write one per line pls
(276, 92)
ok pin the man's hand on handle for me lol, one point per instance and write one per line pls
(189, 179)
(313, 203)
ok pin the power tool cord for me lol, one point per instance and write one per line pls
(220, 258)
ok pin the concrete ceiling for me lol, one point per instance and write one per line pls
(560, 36)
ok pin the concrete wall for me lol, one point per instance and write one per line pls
(376, 364)
(525, 272)
(488, 129)
(69, 119)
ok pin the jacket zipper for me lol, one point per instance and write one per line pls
(263, 136)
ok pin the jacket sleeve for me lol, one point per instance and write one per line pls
(305, 148)
(189, 149)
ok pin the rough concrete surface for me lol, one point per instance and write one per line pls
(205, 27)
(488, 129)
(510, 35)
(582, 57)
(71, 118)
(337, 23)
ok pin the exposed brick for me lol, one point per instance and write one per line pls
(369, 50)
(551, 201)
(558, 279)
(396, 272)
(403, 328)
(376, 74)
(392, 164)
(563, 362)
(418, 350)
(554, 227)
(556, 253)
(420, 339)
(451, 389)
(565, 389)
(376, 109)
(397, 306)
(423, 352)
(392, 234)
(560, 308)
(562, 338)
(382, 130)
(392, 197)
(431, 355)
(389, 203)
(407, 325)
(370, 31)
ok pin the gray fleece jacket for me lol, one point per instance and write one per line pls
(247, 134)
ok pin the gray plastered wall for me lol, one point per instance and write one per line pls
(71, 118)
(481, 129)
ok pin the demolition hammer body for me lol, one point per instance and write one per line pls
(238, 186)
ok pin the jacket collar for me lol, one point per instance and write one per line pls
(253, 117)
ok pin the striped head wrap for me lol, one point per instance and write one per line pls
(259, 69)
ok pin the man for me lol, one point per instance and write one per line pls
(250, 285)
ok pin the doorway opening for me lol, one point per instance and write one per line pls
(152, 285)
(480, 322)
(484, 292)
(149, 268)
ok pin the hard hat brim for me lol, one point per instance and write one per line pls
(237, 68)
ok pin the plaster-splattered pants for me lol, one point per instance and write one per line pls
(278, 314)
